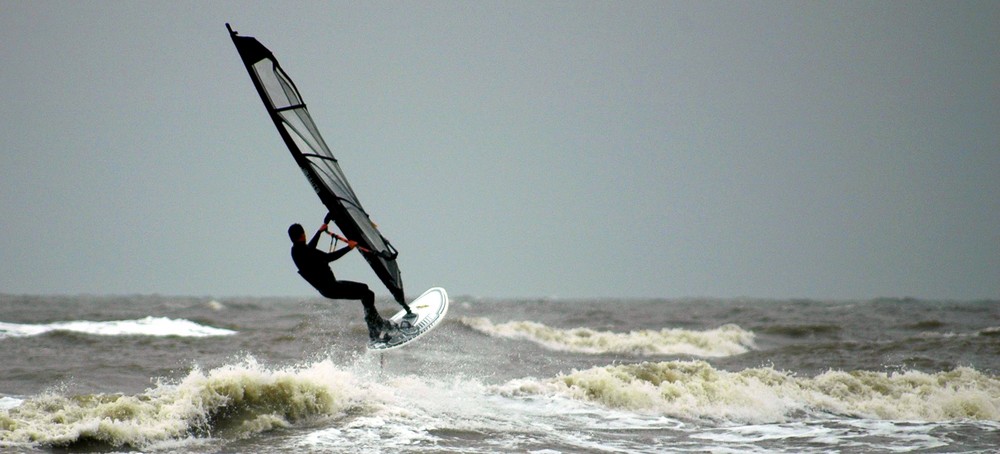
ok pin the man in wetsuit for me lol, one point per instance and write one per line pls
(314, 266)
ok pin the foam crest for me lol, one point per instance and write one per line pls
(6, 403)
(149, 326)
(694, 389)
(726, 340)
(232, 401)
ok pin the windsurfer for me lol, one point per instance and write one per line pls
(313, 265)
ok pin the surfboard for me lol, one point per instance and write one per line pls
(428, 309)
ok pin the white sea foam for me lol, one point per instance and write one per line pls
(862, 435)
(231, 401)
(149, 326)
(356, 407)
(359, 409)
(726, 340)
(414, 411)
(694, 389)
(6, 403)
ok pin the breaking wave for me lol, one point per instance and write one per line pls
(726, 340)
(356, 406)
(232, 401)
(149, 326)
(7, 402)
(694, 389)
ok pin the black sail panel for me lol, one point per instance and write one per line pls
(296, 127)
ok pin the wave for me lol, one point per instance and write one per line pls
(231, 401)
(726, 340)
(360, 407)
(694, 389)
(149, 326)
(7, 402)
(991, 331)
(799, 331)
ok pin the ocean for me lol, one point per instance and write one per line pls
(156, 373)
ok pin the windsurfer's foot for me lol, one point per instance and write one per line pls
(382, 336)
(381, 332)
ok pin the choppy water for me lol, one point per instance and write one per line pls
(158, 373)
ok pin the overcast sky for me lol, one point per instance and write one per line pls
(831, 150)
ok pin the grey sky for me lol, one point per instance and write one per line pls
(576, 149)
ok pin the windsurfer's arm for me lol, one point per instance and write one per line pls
(331, 256)
(315, 239)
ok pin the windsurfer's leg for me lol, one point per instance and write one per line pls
(357, 291)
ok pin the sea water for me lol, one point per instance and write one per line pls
(159, 373)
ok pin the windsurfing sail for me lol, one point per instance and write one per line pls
(296, 127)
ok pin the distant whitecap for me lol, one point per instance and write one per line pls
(726, 340)
(149, 326)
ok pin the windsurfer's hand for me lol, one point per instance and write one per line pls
(352, 244)
(324, 228)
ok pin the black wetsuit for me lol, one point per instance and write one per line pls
(314, 266)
